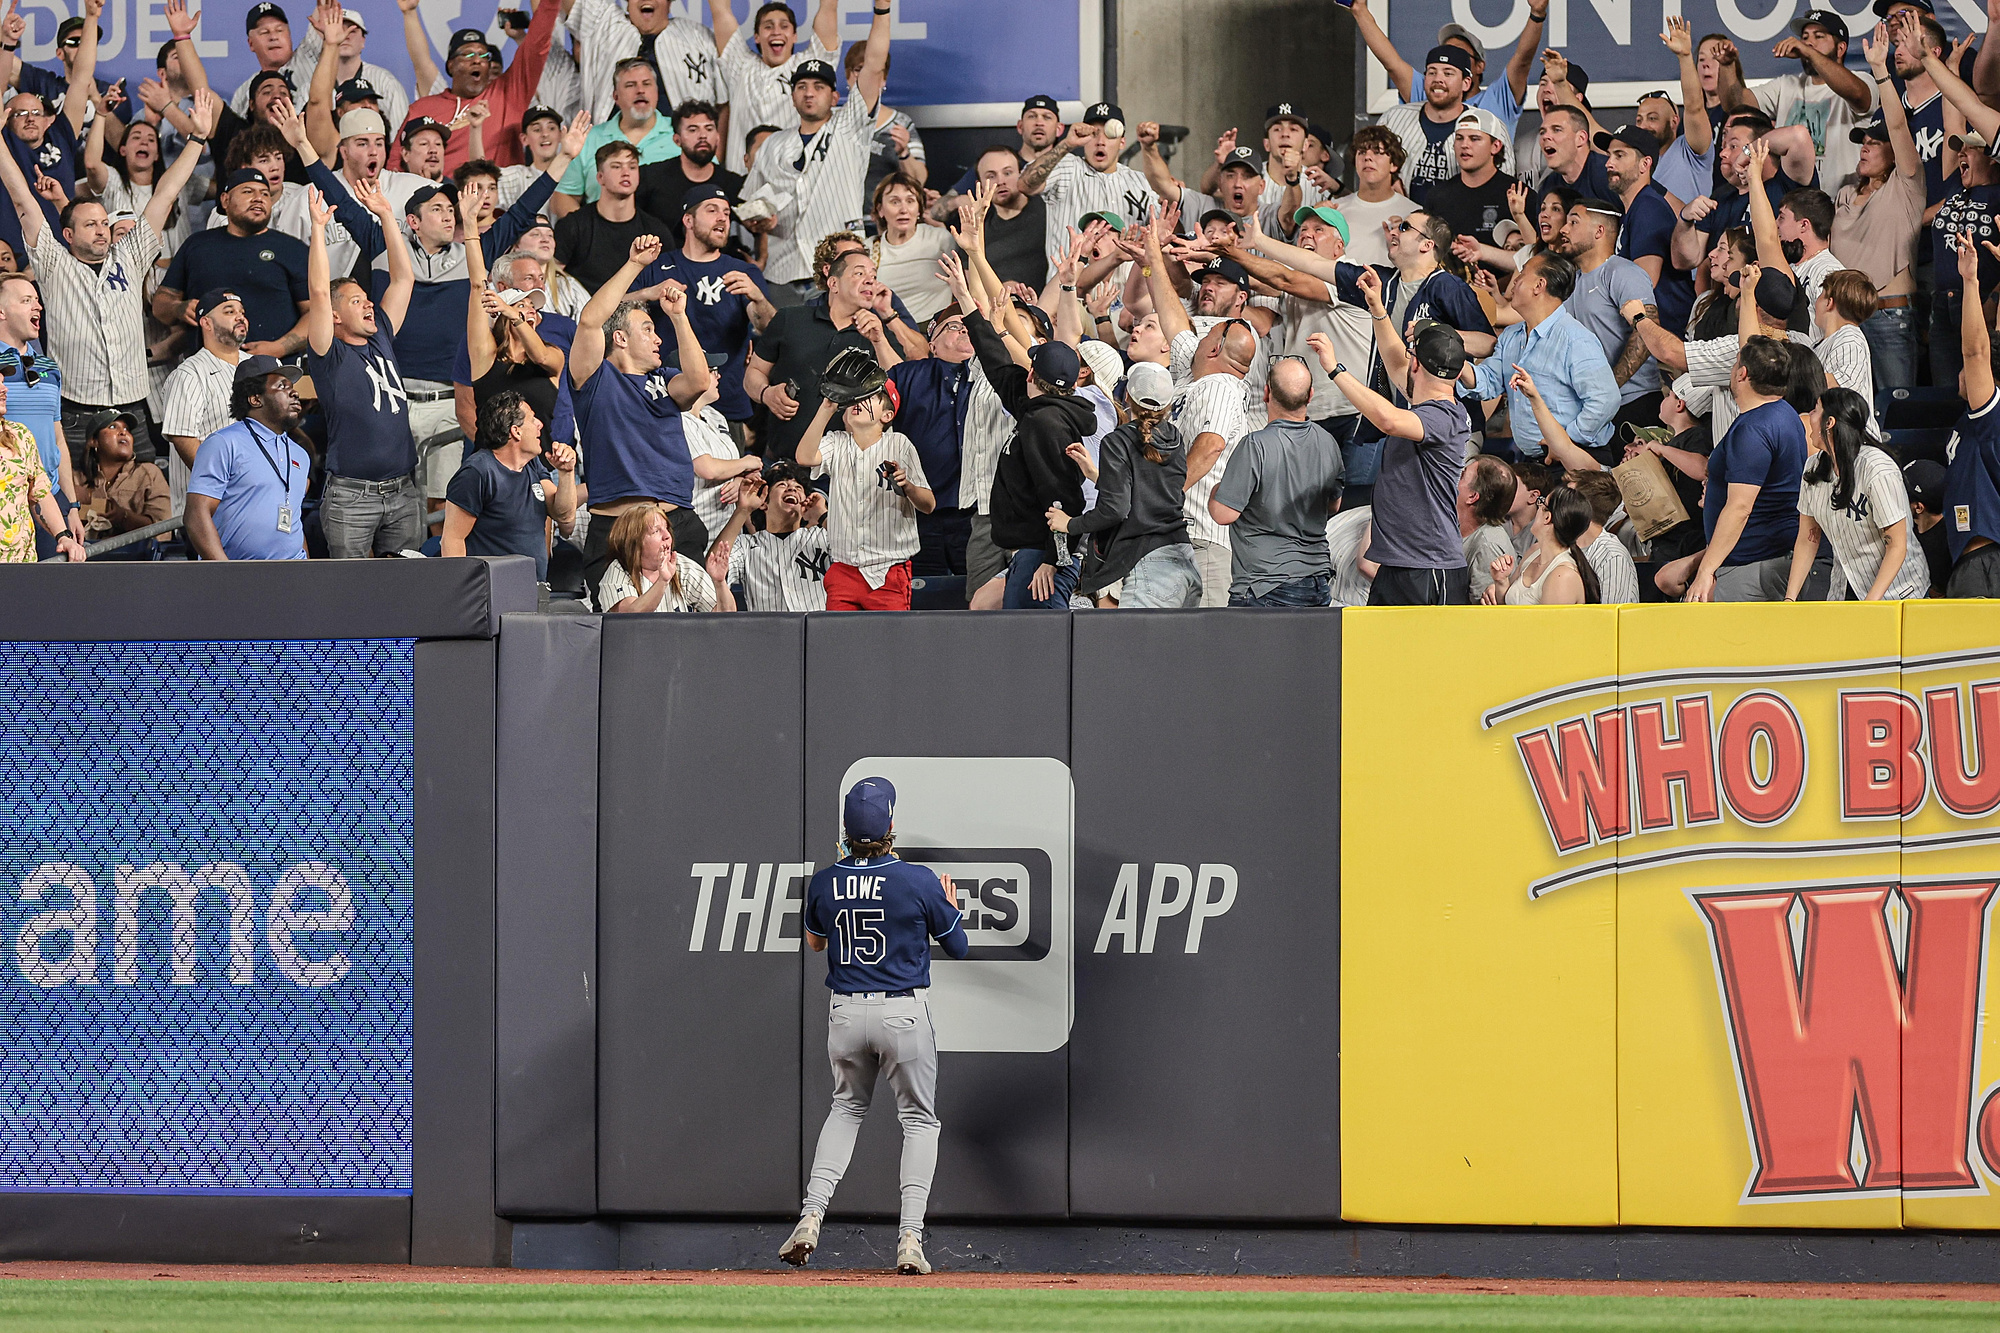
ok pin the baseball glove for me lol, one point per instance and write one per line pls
(850, 377)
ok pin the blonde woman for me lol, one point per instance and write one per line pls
(648, 574)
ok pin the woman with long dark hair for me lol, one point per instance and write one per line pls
(1137, 530)
(1854, 493)
(1557, 573)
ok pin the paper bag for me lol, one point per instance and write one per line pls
(1650, 500)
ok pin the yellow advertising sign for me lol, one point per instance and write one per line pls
(1784, 817)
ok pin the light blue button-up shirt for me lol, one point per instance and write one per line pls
(1568, 366)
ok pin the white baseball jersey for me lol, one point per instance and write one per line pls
(683, 52)
(987, 430)
(1212, 404)
(761, 94)
(1858, 532)
(196, 405)
(1617, 576)
(1812, 274)
(707, 433)
(697, 590)
(781, 571)
(817, 187)
(1075, 187)
(1844, 355)
(1345, 532)
(94, 320)
(870, 525)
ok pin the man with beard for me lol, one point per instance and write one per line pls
(249, 480)
(681, 51)
(1604, 285)
(267, 268)
(1825, 96)
(1475, 200)
(196, 397)
(471, 66)
(94, 288)
(758, 75)
(1040, 126)
(663, 186)
(1426, 128)
(726, 303)
(936, 398)
(1647, 236)
(638, 123)
(1503, 99)
(1073, 186)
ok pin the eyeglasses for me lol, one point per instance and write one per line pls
(26, 113)
(13, 363)
(1406, 226)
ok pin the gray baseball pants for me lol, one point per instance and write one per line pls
(891, 1036)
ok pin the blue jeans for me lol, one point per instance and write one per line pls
(1021, 569)
(1892, 347)
(1163, 579)
(1313, 590)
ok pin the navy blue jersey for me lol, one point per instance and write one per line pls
(1972, 486)
(878, 918)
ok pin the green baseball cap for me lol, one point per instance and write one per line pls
(1115, 221)
(1328, 214)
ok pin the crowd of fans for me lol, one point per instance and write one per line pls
(660, 306)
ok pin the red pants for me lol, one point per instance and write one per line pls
(846, 590)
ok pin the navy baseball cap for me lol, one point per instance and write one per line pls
(416, 125)
(1287, 111)
(1882, 7)
(68, 26)
(1641, 141)
(1457, 57)
(1056, 363)
(262, 77)
(814, 69)
(463, 38)
(1876, 128)
(535, 113)
(212, 298)
(698, 195)
(1041, 102)
(429, 192)
(1099, 112)
(258, 13)
(1220, 215)
(355, 90)
(1925, 480)
(1824, 18)
(1228, 270)
(870, 808)
(1438, 348)
(244, 176)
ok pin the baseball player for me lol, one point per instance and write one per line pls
(880, 914)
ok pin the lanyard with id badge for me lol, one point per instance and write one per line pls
(284, 478)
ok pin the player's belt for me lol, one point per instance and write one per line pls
(876, 994)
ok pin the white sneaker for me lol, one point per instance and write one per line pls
(804, 1240)
(910, 1259)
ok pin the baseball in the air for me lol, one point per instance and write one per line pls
(1114, 129)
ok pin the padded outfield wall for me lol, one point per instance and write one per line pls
(1572, 941)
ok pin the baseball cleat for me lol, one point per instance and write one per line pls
(910, 1259)
(804, 1240)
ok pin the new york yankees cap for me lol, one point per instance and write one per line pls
(258, 13)
(814, 69)
(99, 420)
(244, 176)
(535, 113)
(213, 299)
(1824, 18)
(416, 125)
(1291, 111)
(1056, 363)
(1099, 112)
(1228, 270)
(356, 89)
(1438, 348)
(257, 367)
(429, 192)
(869, 809)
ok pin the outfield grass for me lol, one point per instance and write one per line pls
(221, 1307)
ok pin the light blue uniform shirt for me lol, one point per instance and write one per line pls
(1568, 367)
(657, 146)
(230, 467)
(1497, 97)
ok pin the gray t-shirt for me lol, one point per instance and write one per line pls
(1284, 479)
(1487, 543)
(1416, 493)
(1595, 304)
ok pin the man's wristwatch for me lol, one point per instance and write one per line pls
(1542, 17)
(1339, 369)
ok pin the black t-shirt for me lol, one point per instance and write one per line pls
(593, 249)
(509, 512)
(360, 386)
(1592, 183)
(268, 269)
(1439, 161)
(1685, 539)
(531, 382)
(1471, 210)
(662, 186)
(1018, 247)
(1937, 554)
(798, 342)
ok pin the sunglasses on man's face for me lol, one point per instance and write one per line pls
(71, 43)
(1406, 226)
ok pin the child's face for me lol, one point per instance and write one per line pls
(869, 413)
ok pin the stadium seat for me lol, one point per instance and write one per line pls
(1907, 446)
(938, 593)
(565, 573)
(1917, 409)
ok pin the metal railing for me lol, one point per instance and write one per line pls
(92, 550)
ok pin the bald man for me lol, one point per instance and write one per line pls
(1279, 487)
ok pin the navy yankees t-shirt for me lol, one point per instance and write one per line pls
(59, 155)
(368, 411)
(721, 319)
(509, 507)
(1766, 448)
(878, 917)
(1972, 486)
(1967, 208)
(628, 428)
(268, 270)
(1648, 230)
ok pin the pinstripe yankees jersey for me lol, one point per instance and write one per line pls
(195, 404)
(95, 318)
(781, 571)
(1075, 187)
(761, 94)
(1212, 404)
(870, 526)
(1859, 532)
(684, 54)
(707, 434)
(987, 430)
(823, 196)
